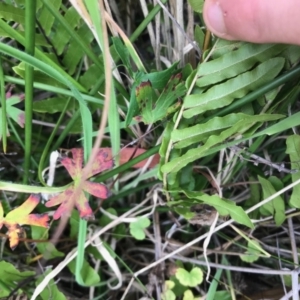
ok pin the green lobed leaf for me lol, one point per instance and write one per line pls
(190, 135)
(60, 38)
(293, 149)
(137, 228)
(223, 206)
(193, 154)
(274, 207)
(235, 62)
(47, 19)
(12, 13)
(252, 253)
(223, 94)
(192, 278)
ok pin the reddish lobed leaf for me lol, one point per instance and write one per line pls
(21, 216)
(66, 200)
(74, 195)
(96, 189)
(128, 153)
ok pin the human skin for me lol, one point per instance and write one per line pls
(257, 21)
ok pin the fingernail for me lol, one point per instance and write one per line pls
(215, 17)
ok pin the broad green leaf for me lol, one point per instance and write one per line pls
(224, 207)
(224, 46)
(89, 275)
(168, 294)
(252, 253)
(191, 155)
(188, 295)
(53, 105)
(274, 207)
(236, 62)
(197, 5)
(52, 291)
(153, 110)
(293, 149)
(137, 228)
(10, 277)
(223, 94)
(47, 249)
(158, 81)
(192, 278)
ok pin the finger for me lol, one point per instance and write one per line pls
(257, 21)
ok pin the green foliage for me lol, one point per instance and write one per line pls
(89, 275)
(223, 206)
(12, 112)
(137, 228)
(275, 207)
(191, 279)
(11, 277)
(239, 92)
(293, 149)
(47, 249)
(52, 291)
(252, 253)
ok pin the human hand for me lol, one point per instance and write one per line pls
(256, 21)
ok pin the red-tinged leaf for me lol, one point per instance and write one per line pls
(67, 200)
(14, 233)
(96, 189)
(128, 153)
(74, 164)
(74, 195)
(101, 163)
(21, 216)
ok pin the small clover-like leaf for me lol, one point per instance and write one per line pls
(192, 279)
(137, 228)
(75, 194)
(21, 216)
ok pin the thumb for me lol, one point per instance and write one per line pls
(257, 21)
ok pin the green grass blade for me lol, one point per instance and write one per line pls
(29, 49)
